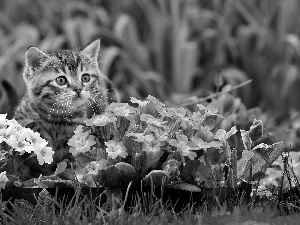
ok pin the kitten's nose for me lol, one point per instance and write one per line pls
(78, 91)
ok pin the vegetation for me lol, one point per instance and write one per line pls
(234, 63)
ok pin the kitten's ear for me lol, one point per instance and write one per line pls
(92, 50)
(34, 58)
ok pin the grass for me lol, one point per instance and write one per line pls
(50, 211)
(144, 210)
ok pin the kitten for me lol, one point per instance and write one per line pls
(64, 88)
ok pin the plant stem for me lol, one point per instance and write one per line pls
(215, 94)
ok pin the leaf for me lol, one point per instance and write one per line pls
(262, 150)
(212, 110)
(204, 173)
(247, 155)
(157, 178)
(256, 130)
(276, 150)
(210, 121)
(246, 140)
(185, 187)
(232, 131)
(257, 170)
(205, 145)
(243, 168)
(258, 163)
(152, 158)
(188, 172)
(61, 166)
(201, 107)
(83, 159)
(217, 170)
(220, 135)
(244, 164)
(111, 177)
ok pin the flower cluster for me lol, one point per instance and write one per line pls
(81, 142)
(168, 138)
(154, 141)
(21, 140)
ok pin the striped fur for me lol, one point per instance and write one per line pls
(56, 110)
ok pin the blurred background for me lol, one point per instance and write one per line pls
(175, 50)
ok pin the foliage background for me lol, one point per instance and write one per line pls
(175, 50)
(172, 49)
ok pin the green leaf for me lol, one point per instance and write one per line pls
(185, 187)
(61, 167)
(246, 140)
(231, 132)
(262, 150)
(205, 145)
(157, 178)
(201, 107)
(188, 172)
(204, 173)
(256, 130)
(83, 159)
(152, 158)
(210, 121)
(220, 135)
(275, 151)
(257, 163)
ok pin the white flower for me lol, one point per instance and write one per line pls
(81, 142)
(6, 132)
(101, 120)
(222, 135)
(121, 109)
(151, 144)
(172, 166)
(18, 142)
(3, 179)
(141, 103)
(140, 137)
(44, 154)
(33, 137)
(3, 120)
(115, 149)
(153, 120)
(94, 166)
(185, 150)
(183, 146)
(23, 140)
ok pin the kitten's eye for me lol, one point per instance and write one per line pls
(61, 80)
(85, 78)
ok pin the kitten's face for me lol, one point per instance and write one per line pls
(65, 84)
